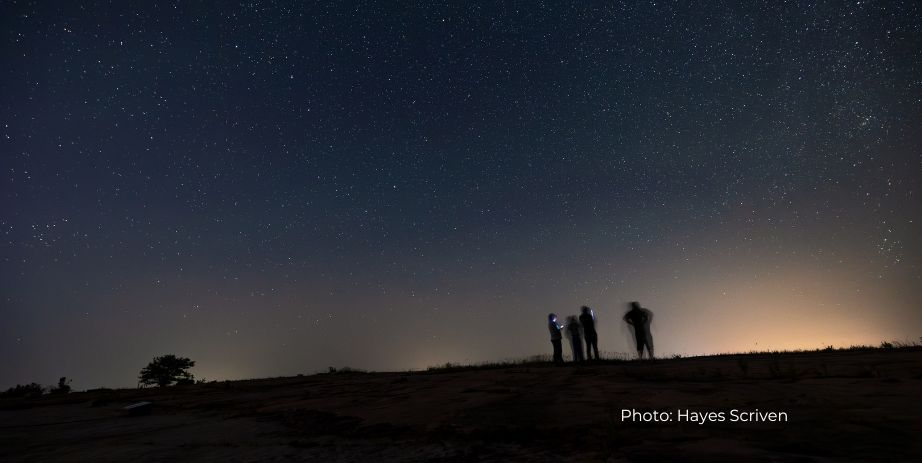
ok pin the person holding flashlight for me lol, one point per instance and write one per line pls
(554, 328)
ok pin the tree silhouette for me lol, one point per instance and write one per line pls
(63, 386)
(166, 370)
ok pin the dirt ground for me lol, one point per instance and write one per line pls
(846, 405)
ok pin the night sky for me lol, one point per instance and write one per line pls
(274, 189)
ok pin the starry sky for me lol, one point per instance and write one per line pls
(273, 188)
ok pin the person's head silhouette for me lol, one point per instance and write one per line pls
(586, 309)
(552, 317)
(635, 305)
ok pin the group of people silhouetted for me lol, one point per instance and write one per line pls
(583, 329)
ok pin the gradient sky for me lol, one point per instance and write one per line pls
(271, 189)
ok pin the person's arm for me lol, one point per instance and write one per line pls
(628, 319)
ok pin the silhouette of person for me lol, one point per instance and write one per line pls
(575, 333)
(587, 319)
(554, 328)
(640, 319)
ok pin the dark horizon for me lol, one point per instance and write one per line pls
(273, 190)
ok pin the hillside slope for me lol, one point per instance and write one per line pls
(862, 405)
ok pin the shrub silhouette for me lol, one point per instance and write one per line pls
(24, 390)
(63, 386)
(166, 370)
